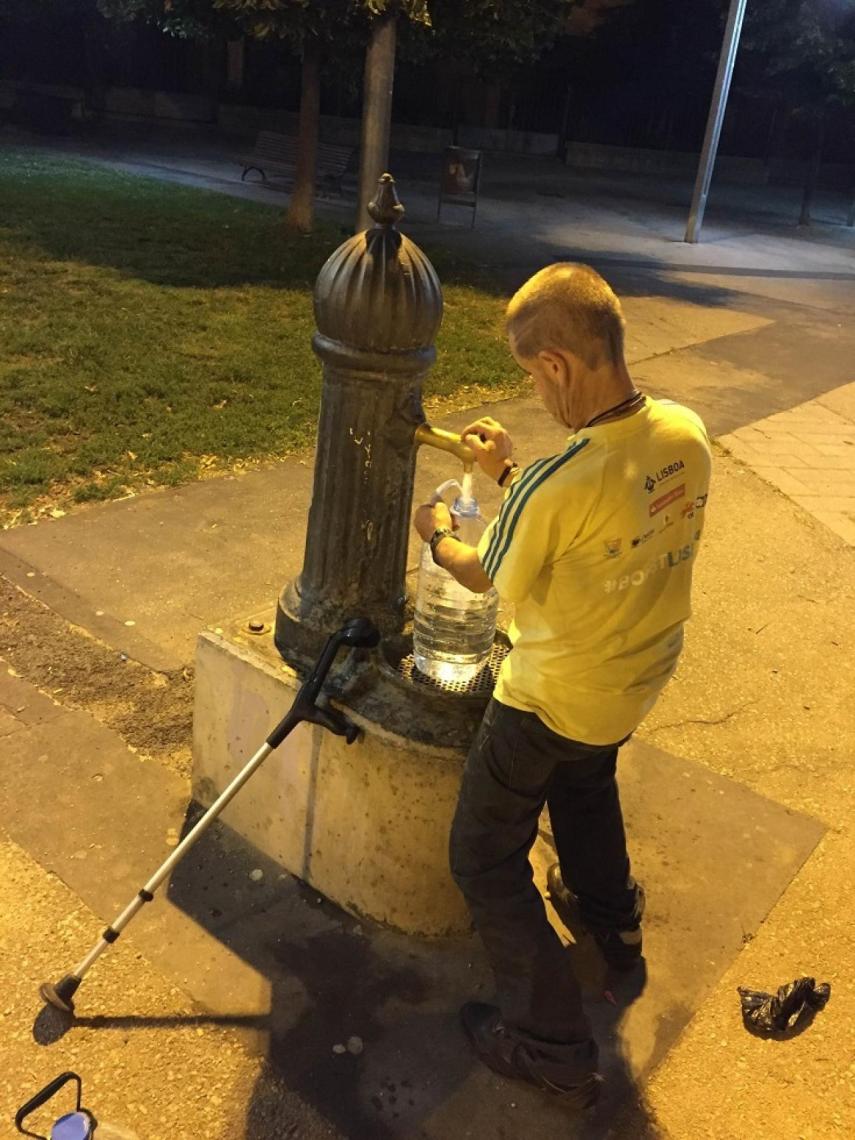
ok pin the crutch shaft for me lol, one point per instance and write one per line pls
(359, 633)
(147, 893)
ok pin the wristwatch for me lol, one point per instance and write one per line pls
(510, 468)
(436, 538)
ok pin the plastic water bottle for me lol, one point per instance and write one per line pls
(454, 628)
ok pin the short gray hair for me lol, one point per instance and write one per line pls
(569, 306)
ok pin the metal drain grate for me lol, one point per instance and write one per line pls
(480, 686)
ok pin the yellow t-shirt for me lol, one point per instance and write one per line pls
(595, 547)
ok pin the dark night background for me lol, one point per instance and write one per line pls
(633, 74)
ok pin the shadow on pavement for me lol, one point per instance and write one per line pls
(388, 1003)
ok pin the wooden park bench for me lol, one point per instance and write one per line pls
(49, 112)
(277, 154)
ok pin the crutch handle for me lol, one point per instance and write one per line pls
(333, 721)
(358, 633)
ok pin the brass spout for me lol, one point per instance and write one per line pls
(446, 441)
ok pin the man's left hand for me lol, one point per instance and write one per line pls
(430, 517)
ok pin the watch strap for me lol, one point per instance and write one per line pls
(510, 468)
(436, 538)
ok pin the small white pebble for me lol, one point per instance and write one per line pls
(355, 1045)
(339, 1049)
(129, 622)
(257, 875)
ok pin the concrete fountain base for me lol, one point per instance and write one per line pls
(366, 824)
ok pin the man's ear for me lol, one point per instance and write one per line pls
(556, 364)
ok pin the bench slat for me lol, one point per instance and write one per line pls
(276, 151)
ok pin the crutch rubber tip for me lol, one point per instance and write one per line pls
(60, 996)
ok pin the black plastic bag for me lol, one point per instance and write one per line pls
(776, 1013)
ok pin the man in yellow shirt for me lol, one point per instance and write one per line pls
(595, 547)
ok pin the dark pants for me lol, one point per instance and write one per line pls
(515, 765)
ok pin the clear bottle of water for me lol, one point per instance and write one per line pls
(454, 628)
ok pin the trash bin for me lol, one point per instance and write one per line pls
(460, 179)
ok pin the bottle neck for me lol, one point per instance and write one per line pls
(465, 509)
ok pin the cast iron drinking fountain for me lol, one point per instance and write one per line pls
(388, 802)
(378, 306)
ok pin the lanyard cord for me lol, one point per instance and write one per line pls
(629, 404)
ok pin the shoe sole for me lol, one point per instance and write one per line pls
(581, 1097)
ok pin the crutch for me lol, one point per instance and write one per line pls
(356, 634)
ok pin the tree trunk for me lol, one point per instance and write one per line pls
(512, 113)
(455, 108)
(94, 93)
(492, 105)
(235, 63)
(376, 112)
(301, 209)
(813, 172)
(565, 122)
(771, 139)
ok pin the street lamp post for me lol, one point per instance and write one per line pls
(715, 120)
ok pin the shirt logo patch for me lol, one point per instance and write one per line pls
(638, 577)
(612, 547)
(663, 474)
(697, 504)
(664, 500)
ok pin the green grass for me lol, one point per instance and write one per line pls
(152, 333)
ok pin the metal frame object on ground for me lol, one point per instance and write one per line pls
(76, 1125)
(460, 179)
(356, 634)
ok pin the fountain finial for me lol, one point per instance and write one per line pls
(385, 207)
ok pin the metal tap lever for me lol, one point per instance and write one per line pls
(445, 441)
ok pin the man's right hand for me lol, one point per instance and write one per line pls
(491, 443)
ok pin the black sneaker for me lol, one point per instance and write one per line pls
(622, 949)
(567, 1071)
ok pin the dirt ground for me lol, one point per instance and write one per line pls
(152, 711)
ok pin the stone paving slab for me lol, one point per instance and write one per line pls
(808, 453)
(90, 810)
(290, 975)
(151, 1062)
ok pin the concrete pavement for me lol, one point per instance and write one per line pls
(279, 974)
(808, 453)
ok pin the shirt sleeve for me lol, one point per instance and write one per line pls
(521, 540)
(687, 414)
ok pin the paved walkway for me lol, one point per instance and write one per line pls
(808, 453)
(531, 205)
